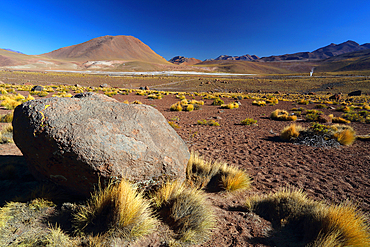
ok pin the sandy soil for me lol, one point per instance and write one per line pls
(332, 175)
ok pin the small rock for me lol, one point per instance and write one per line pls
(324, 119)
(37, 88)
(105, 85)
(355, 93)
(335, 97)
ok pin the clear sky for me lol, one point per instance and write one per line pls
(200, 29)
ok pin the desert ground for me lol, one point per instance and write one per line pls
(332, 175)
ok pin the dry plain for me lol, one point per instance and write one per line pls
(333, 175)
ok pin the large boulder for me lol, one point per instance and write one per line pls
(75, 142)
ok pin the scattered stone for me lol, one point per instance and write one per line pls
(355, 93)
(335, 97)
(37, 88)
(324, 119)
(105, 85)
(76, 141)
(311, 93)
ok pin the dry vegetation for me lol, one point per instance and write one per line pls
(120, 214)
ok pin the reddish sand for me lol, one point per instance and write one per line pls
(333, 175)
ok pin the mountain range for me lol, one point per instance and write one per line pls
(127, 53)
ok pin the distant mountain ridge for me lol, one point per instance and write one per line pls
(184, 60)
(12, 50)
(321, 53)
(242, 58)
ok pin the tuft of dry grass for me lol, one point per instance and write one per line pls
(6, 134)
(186, 210)
(57, 237)
(291, 132)
(208, 122)
(119, 209)
(176, 107)
(340, 120)
(7, 118)
(234, 179)
(282, 115)
(345, 137)
(248, 121)
(232, 105)
(304, 222)
(342, 225)
(199, 171)
(174, 125)
(215, 175)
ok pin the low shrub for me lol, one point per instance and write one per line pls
(303, 102)
(173, 125)
(259, 103)
(189, 107)
(208, 122)
(233, 105)
(176, 107)
(272, 101)
(313, 115)
(248, 121)
(155, 96)
(196, 102)
(321, 106)
(218, 101)
(7, 118)
(320, 135)
(339, 120)
(282, 115)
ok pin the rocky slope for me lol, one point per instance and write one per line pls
(184, 60)
(108, 48)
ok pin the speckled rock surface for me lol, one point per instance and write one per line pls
(74, 141)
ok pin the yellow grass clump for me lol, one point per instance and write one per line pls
(234, 179)
(186, 210)
(176, 107)
(345, 137)
(208, 122)
(7, 118)
(248, 121)
(340, 120)
(291, 132)
(293, 214)
(215, 175)
(118, 210)
(282, 115)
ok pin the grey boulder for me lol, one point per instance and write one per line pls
(75, 142)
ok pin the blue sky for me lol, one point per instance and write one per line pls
(200, 29)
